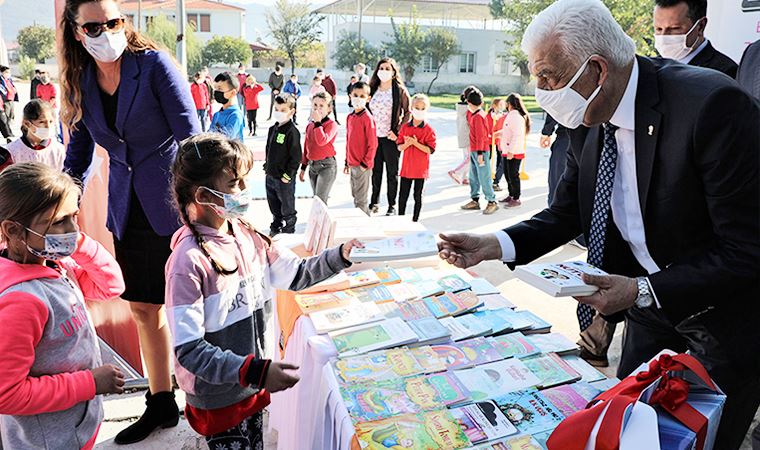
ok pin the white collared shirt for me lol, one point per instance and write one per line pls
(687, 59)
(626, 210)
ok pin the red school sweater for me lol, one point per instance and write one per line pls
(480, 140)
(251, 95)
(361, 139)
(416, 163)
(318, 144)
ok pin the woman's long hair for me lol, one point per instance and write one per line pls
(74, 59)
(516, 101)
(374, 82)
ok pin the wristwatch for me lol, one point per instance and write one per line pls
(645, 298)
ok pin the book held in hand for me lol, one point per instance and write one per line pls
(374, 336)
(410, 246)
(560, 279)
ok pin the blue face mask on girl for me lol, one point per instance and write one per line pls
(57, 246)
(235, 205)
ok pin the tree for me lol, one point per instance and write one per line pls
(407, 45)
(226, 50)
(349, 51)
(635, 17)
(164, 32)
(441, 44)
(37, 42)
(293, 27)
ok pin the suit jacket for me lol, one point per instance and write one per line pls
(155, 111)
(748, 74)
(550, 127)
(698, 187)
(713, 59)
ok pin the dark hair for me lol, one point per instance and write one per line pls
(286, 99)
(516, 101)
(324, 96)
(354, 77)
(315, 79)
(34, 110)
(465, 93)
(279, 64)
(36, 70)
(697, 8)
(360, 85)
(197, 75)
(199, 162)
(374, 82)
(475, 97)
(320, 70)
(293, 75)
(225, 77)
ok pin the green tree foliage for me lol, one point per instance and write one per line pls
(440, 44)
(164, 32)
(293, 27)
(226, 50)
(37, 42)
(26, 66)
(349, 51)
(407, 45)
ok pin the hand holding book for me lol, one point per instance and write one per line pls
(468, 249)
(345, 249)
(616, 293)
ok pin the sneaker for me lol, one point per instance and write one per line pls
(506, 199)
(496, 188)
(391, 211)
(471, 205)
(490, 208)
(454, 177)
(513, 203)
(374, 209)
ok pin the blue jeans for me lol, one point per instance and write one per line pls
(480, 177)
(202, 114)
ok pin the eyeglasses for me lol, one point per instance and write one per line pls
(95, 29)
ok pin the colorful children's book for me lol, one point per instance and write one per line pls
(374, 293)
(559, 280)
(408, 274)
(414, 309)
(570, 398)
(537, 324)
(513, 344)
(453, 283)
(402, 292)
(588, 372)
(483, 421)
(447, 389)
(497, 378)
(457, 330)
(409, 246)
(452, 304)
(389, 309)
(427, 288)
(553, 343)
(355, 313)
(495, 320)
(475, 327)
(432, 430)
(374, 336)
(429, 331)
(343, 281)
(481, 286)
(428, 359)
(310, 303)
(516, 442)
(551, 370)
(496, 301)
(479, 350)
(387, 275)
(453, 356)
(529, 411)
(377, 366)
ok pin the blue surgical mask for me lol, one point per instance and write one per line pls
(57, 246)
(235, 205)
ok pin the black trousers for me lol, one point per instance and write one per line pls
(403, 196)
(648, 331)
(557, 162)
(251, 113)
(282, 204)
(271, 104)
(387, 155)
(335, 110)
(512, 168)
(499, 166)
(5, 127)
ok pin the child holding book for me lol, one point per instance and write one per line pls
(283, 155)
(228, 120)
(361, 145)
(251, 95)
(52, 374)
(480, 168)
(416, 140)
(219, 281)
(37, 142)
(319, 148)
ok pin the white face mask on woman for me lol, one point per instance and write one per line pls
(384, 74)
(107, 47)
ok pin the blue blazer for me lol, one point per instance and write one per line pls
(155, 112)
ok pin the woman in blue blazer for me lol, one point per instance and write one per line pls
(120, 92)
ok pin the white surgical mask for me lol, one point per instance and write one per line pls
(419, 114)
(57, 246)
(42, 133)
(358, 102)
(235, 205)
(674, 46)
(107, 47)
(280, 117)
(384, 74)
(566, 105)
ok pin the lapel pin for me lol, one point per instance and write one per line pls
(651, 129)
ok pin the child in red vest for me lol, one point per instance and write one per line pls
(416, 140)
(251, 91)
(361, 145)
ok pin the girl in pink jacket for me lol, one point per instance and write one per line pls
(51, 373)
(513, 135)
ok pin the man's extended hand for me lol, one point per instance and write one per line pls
(466, 249)
(616, 293)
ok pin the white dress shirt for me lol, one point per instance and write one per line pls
(626, 210)
(687, 59)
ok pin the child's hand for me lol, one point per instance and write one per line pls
(346, 248)
(284, 180)
(413, 140)
(392, 136)
(108, 379)
(302, 176)
(278, 379)
(481, 161)
(315, 116)
(345, 170)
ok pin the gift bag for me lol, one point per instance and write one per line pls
(670, 403)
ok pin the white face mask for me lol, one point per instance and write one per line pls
(107, 47)
(566, 105)
(42, 134)
(384, 74)
(419, 114)
(674, 46)
(280, 117)
(358, 102)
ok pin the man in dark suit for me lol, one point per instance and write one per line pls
(679, 33)
(662, 178)
(748, 74)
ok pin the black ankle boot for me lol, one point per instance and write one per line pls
(161, 411)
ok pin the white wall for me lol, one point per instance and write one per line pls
(223, 22)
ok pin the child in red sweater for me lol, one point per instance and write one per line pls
(199, 91)
(251, 91)
(416, 140)
(319, 148)
(480, 164)
(361, 145)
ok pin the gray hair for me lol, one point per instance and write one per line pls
(581, 28)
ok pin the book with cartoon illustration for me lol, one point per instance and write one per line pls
(553, 343)
(374, 336)
(529, 411)
(378, 366)
(560, 279)
(387, 275)
(316, 302)
(551, 370)
(353, 314)
(453, 304)
(453, 356)
(497, 378)
(428, 359)
(514, 344)
(479, 350)
(570, 398)
(409, 246)
(432, 430)
(483, 421)
(414, 309)
(447, 389)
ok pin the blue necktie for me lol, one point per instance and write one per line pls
(605, 179)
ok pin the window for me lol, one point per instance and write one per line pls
(467, 62)
(501, 64)
(428, 64)
(200, 22)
